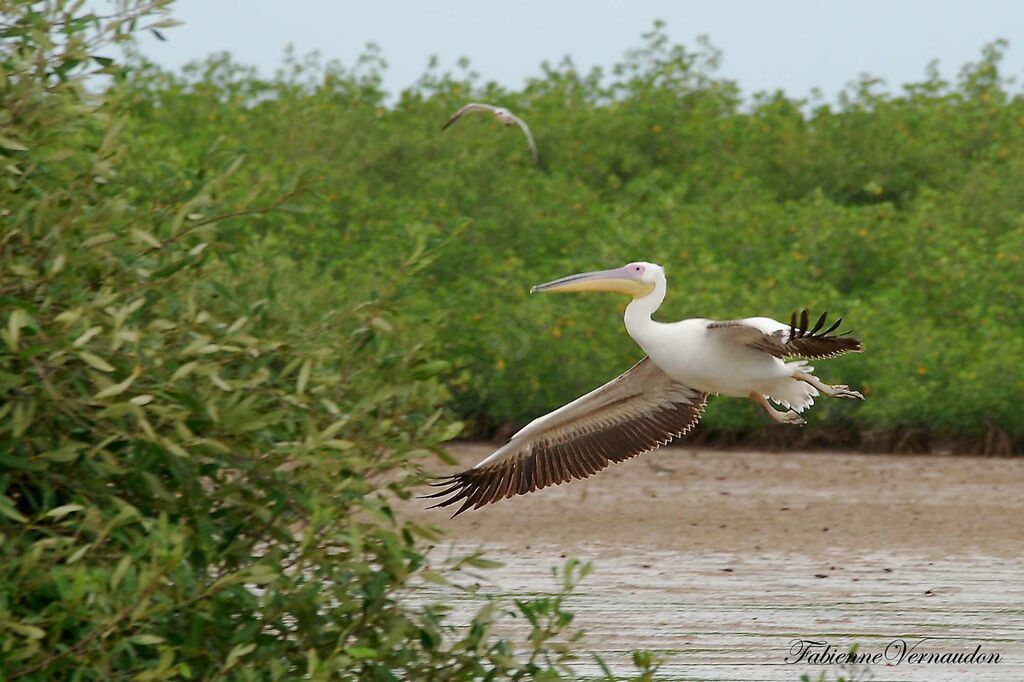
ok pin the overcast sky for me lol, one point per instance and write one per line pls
(795, 45)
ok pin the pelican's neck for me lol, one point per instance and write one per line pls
(638, 313)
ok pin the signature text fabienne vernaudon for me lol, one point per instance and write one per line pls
(926, 650)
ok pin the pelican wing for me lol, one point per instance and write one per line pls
(798, 339)
(632, 414)
(472, 106)
(529, 136)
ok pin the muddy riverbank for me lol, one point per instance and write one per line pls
(720, 559)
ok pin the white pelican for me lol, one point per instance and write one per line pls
(662, 396)
(503, 115)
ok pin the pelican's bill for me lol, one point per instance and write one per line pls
(618, 280)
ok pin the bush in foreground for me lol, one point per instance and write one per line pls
(195, 482)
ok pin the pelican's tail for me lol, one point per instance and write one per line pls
(790, 392)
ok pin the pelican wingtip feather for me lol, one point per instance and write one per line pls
(614, 423)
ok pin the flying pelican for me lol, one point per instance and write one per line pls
(662, 396)
(503, 115)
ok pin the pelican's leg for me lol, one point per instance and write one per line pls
(787, 417)
(837, 391)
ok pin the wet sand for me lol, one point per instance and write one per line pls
(718, 560)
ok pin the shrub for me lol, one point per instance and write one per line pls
(197, 473)
(899, 212)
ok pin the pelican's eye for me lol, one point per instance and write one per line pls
(638, 268)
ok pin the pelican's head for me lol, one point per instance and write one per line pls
(636, 279)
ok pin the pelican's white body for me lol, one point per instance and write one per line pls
(709, 359)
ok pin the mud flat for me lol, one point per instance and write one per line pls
(719, 560)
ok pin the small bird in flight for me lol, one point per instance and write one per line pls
(504, 116)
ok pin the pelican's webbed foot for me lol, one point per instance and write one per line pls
(783, 417)
(837, 391)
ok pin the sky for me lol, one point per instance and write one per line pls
(793, 45)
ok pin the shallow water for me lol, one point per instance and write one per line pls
(719, 561)
(728, 616)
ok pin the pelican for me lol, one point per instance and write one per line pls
(503, 115)
(662, 396)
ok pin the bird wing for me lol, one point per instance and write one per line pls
(798, 339)
(472, 106)
(529, 136)
(638, 411)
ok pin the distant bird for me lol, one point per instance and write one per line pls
(503, 115)
(662, 396)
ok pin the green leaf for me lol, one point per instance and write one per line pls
(58, 264)
(146, 238)
(119, 571)
(118, 389)
(79, 553)
(434, 577)
(238, 652)
(66, 66)
(333, 429)
(381, 324)
(69, 317)
(65, 453)
(171, 268)
(300, 384)
(8, 143)
(25, 630)
(8, 510)
(451, 431)
(167, 22)
(147, 640)
(95, 361)
(64, 510)
(24, 415)
(86, 336)
(480, 562)
(99, 240)
(184, 370)
(15, 322)
(261, 574)
(361, 652)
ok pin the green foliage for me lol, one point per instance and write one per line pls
(198, 462)
(237, 314)
(900, 212)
